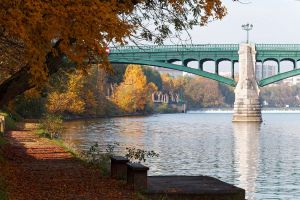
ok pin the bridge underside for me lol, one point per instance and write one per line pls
(198, 72)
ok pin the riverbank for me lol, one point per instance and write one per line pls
(36, 168)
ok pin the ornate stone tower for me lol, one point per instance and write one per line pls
(246, 105)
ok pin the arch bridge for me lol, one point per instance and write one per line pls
(165, 56)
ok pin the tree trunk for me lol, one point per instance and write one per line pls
(19, 82)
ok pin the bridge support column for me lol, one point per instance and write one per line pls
(246, 105)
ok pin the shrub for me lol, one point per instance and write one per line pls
(96, 157)
(52, 125)
(164, 108)
(10, 120)
(139, 155)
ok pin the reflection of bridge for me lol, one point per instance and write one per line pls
(165, 56)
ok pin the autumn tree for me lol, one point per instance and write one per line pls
(201, 92)
(280, 95)
(37, 38)
(153, 76)
(70, 100)
(134, 93)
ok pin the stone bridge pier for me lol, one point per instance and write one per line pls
(247, 106)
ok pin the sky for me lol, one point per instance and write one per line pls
(274, 21)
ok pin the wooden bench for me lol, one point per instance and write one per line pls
(118, 167)
(137, 176)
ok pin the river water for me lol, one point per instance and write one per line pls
(264, 159)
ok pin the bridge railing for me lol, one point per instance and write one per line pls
(277, 47)
(201, 47)
(188, 47)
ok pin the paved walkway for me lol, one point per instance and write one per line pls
(38, 169)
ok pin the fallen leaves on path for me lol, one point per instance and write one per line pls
(35, 168)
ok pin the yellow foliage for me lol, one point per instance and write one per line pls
(133, 93)
(90, 102)
(64, 102)
(70, 100)
(168, 83)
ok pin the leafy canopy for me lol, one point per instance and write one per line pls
(82, 29)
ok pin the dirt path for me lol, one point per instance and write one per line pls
(35, 168)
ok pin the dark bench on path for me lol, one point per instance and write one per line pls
(118, 167)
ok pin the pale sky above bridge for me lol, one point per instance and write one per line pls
(274, 21)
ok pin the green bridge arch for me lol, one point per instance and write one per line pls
(198, 72)
(161, 56)
(278, 77)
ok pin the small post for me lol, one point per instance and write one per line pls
(232, 69)
(2, 124)
(137, 176)
(118, 167)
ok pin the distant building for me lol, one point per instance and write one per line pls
(267, 71)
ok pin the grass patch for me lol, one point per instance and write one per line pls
(10, 119)
(41, 133)
(67, 147)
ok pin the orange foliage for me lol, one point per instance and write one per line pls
(70, 100)
(32, 93)
(30, 29)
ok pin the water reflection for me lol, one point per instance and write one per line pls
(246, 142)
(263, 158)
(129, 132)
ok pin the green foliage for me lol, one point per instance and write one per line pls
(52, 125)
(96, 157)
(101, 159)
(139, 155)
(118, 73)
(10, 120)
(164, 108)
(30, 107)
(153, 76)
